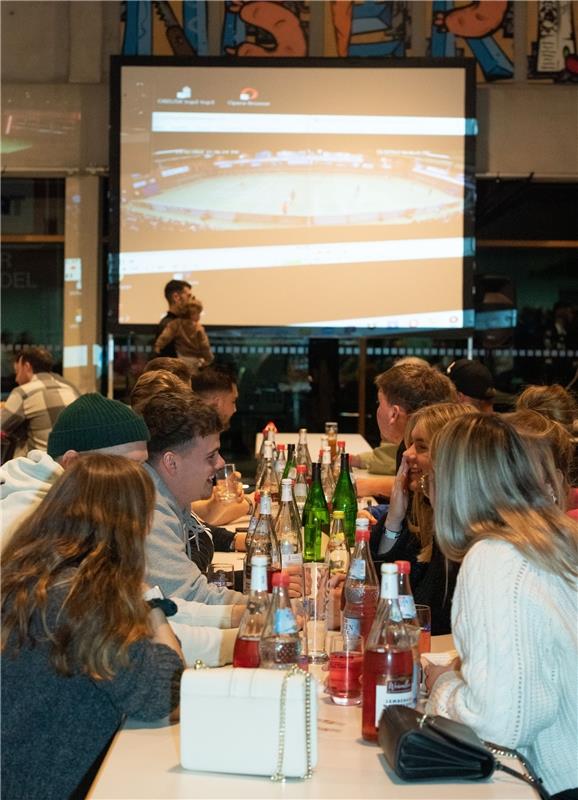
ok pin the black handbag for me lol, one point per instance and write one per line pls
(423, 748)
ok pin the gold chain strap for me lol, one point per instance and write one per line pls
(294, 671)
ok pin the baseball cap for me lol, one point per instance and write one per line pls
(472, 378)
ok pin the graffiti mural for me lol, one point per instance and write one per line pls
(552, 41)
(265, 29)
(484, 30)
(151, 27)
(365, 29)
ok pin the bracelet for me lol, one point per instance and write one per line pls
(391, 534)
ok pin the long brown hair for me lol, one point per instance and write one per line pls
(490, 484)
(87, 536)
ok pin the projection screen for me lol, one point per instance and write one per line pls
(320, 194)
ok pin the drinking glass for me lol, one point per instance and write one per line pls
(345, 668)
(222, 575)
(227, 483)
(315, 602)
(423, 614)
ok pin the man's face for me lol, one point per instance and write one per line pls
(23, 372)
(196, 464)
(181, 298)
(387, 415)
(225, 403)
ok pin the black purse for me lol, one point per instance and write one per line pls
(422, 748)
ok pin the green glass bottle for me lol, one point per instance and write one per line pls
(345, 499)
(315, 518)
(290, 470)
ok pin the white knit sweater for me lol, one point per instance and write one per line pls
(515, 627)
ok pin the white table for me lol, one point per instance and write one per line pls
(143, 764)
(354, 442)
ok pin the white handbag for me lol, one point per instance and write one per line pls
(249, 721)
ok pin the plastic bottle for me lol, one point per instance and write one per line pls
(280, 645)
(315, 519)
(345, 499)
(388, 659)
(361, 587)
(302, 455)
(263, 543)
(268, 480)
(337, 560)
(246, 650)
(301, 488)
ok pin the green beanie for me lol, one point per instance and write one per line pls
(93, 422)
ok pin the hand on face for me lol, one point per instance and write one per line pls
(399, 497)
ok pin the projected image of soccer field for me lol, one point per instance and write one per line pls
(204, 191)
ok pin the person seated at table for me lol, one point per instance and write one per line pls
(80, 646)
(432, 576)
(32, 408)
(553, 402)
(92, 423)
(212, 512)
(516, 601)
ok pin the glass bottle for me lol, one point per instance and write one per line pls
(337, 560)
(268, 480)
(301, 488)
(302, 455)
(280, 462)
(290, 470)
(254, 519)
(263, 543)
(408, 612)
(315, 519)
(388, 659)
(268, 439)
(361, 587)
(345, 499)
(337, 459)
(327, 475)
(280, 645)
(331, 429)
(246, 650)
(288, 527)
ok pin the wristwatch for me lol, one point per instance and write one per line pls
(156, 599)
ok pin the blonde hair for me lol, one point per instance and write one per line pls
(88, 536)
(432, 419)
(553, 402)
(548, 438)
(490, 485)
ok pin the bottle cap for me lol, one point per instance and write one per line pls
(280, 446)
(388, 569)
(340, 443)
(362, 535)
(286, 481)
(301, 469)
(362, 523)
(256, 497)
(259, 561)
(403, 567)
(281, 579)
(339, 515)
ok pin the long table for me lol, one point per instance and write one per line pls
(143, 764)
(354, 442)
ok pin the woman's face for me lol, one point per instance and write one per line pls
(418, 457)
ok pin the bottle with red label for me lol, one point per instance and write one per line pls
(361, 587)
(388, 662)
(246, 650)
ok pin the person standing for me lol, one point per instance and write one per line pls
(189, 336)
(176, 293)
(30, 411)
